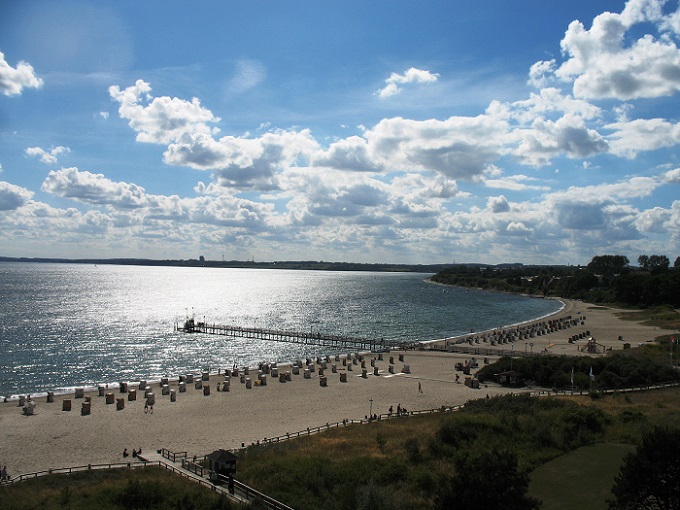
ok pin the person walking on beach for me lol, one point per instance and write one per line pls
(420, 388)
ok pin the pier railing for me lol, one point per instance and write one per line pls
(296, 337)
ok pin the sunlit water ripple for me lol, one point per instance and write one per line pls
(67, 325)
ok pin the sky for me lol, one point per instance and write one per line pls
(424, 132)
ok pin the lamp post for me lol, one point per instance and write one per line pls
(370, 408)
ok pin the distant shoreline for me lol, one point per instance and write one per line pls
(247, 264)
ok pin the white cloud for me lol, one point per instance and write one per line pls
(541, 72)
(636, 187)
(600, 207)
(163, 119)
(417, 187)
(12, 197)
(551, 101)
(93, 188)
(601, 64)
(458, 147)
(630, 137)
(412, 75)
(653, 220)
(48, 157)
(129, 204)
(498, 204)
(672, 176)
(14, 79)
(517, 228)
(546, 139)
(245, 163)
(348, 154)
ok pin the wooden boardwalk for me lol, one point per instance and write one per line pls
(312, 338)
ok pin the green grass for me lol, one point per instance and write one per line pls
(579, 479)
(664, 317)
(111, 489)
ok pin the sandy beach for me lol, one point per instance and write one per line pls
(199, 424)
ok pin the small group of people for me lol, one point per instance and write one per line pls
(135, 453)
(401, 411)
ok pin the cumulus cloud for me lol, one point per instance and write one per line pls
(653, 220)
(602, 64)
(498, 204)
(351, 154)
(458, 147)
(13, 80)
(632, 136)
(93, 188)
(424, 187)
(672, 176)
(161, 119)
(393, 184)
(12, 197)
(540, 73)
(600, 206)
(48, 157)
(129, 204)
(568, 135)
(412, 75)
(245, 163)
(517, 228)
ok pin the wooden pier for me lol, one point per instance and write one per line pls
(312, 338)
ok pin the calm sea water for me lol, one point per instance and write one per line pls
(67, 325)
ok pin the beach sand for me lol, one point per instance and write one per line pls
(198, 424)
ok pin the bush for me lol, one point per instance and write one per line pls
(412, 448)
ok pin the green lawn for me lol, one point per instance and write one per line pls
(580, 479)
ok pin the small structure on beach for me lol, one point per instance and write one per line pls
(222, 462)
(510, 378)
(592, 347)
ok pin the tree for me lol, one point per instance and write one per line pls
(489, 478)
(643, 262)
(676, 264)
(658, 264)
(608, 265)
(650, 477)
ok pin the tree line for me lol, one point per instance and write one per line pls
(605, 279)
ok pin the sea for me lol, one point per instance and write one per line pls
(64, 326)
